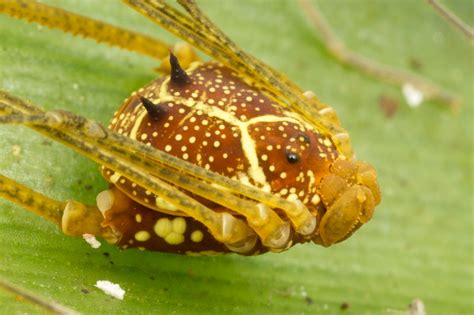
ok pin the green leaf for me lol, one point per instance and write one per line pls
(418, 245)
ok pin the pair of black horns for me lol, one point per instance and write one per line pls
(178, 76)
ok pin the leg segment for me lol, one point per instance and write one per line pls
(72, 217)
(272, 230)
(79, 25)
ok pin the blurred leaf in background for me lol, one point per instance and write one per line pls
(419, 244)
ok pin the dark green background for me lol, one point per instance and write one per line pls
(419, 244)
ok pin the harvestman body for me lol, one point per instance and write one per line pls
(220, 156)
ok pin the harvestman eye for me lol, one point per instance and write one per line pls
(292, 157)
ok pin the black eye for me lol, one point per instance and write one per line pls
(292, 157)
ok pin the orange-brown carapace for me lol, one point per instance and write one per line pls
(211, 117)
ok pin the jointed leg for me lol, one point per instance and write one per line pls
(79, 25)
(224, 227)
(261, 218)
(71, 216)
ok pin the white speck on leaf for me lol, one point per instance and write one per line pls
(413, 96)
(91, 240)
(111, 289)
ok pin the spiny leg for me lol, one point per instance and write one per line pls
(76, 24)
(262, 219)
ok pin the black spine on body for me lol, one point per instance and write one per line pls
(178, 75)
(154, 110)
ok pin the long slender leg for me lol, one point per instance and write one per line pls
(225, 227)
(268, 228)
(80, 25)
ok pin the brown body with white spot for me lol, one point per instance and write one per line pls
(217, 121)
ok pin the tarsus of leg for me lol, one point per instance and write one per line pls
(76, 24)
(158, 163)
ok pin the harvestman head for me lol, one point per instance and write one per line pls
(220, 156)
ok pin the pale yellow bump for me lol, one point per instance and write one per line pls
(272, 168)
(185, 156)
(163, 227)
(178, 137)
(174, 238)
(168, 148)
(264, 157)
(184, 148)
(147, 192)
(197, 236)
(166, 125)
(217, 144)
(248, 98)
(179, 225)
(192, 139)
(283, 175)
(225, 155)
(205, 122)
(154, 134)
(142, 236)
